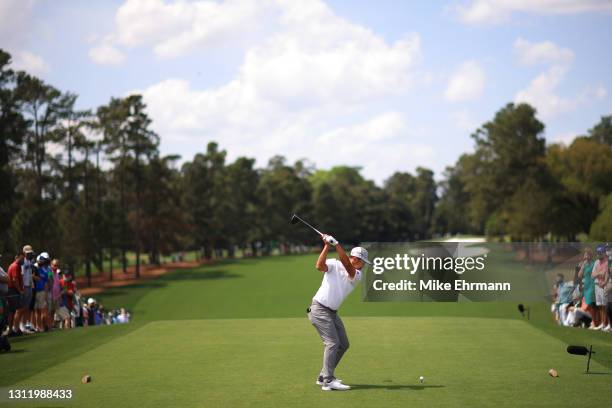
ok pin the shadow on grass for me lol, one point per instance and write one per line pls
(393, 387)
(259, 259)
(14, 350)
(195, 274)
(122, 290)
(135, 291)
(36, 353)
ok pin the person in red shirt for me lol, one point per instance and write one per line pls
(15, 290)
(67, 300)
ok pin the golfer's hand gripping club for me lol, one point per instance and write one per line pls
(329, 239)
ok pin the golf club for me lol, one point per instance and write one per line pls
(295, 219)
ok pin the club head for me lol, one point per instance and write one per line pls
(294, 219)
(521, 309)
(578, 350)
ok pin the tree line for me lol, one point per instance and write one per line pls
(91, 186)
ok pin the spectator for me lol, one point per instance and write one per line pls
(30, 323)
(85, 313)
(53, 296)
(609, 289)
(41, 307)
(99, 315)
(23, 313)
(588, 285)
(15, 291)
(554, 308)
(91, 315)
(78, 309)
(55, 291)
(600, 275)
(123, 317)
(4, 343)
(49, 312)
(67, 300)
(577, 317)
(577, 294)
(3, 303)
(564, 297)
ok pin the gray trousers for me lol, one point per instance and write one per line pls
(332, 332)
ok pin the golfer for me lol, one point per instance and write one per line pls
(339, 279)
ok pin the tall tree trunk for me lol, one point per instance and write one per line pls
(110, 270)
(207, 252)
(88, 272)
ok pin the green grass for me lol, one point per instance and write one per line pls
(236, 334)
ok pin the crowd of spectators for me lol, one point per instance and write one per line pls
(36, 295)
(586, 300)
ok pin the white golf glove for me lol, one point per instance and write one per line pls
(331, 240)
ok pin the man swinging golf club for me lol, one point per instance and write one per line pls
(339, 279)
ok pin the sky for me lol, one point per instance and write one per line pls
(385, 85)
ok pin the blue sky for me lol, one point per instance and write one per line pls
(386, 85)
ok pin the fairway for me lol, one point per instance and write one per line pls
(236, 334)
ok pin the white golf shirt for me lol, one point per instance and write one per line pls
(336, 285)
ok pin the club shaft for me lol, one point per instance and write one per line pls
(316, 230)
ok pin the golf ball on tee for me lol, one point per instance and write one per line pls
(421, 379)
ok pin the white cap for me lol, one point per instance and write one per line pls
(90, 301)
(44, 255)
(361, 253)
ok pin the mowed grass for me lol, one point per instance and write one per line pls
(273, 362)
(236, 334)
(280, 286)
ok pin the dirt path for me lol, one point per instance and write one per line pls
(102, 281)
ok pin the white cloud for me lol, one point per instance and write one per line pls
(29, 62)
(464, 121)
(315, 63)
(497, 11)
(246, 125)
(542, 91)
(545, 52)
(175, 28)
(382, 127)
(565, 138)
(105, 54)
(13, 16)
(383, 144)
(317, 77)
(599, 92)
(467, 83)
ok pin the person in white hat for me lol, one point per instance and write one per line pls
(42, 284)
(339, 279)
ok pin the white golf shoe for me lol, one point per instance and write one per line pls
(335, 385)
